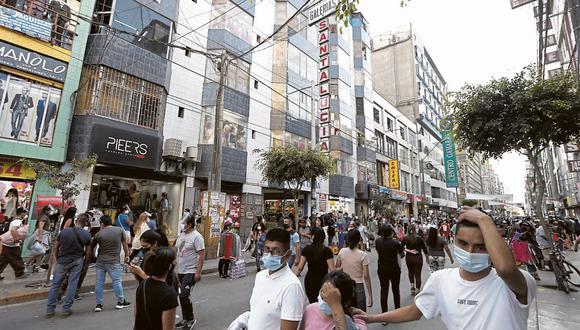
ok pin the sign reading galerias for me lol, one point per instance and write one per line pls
(320, 10)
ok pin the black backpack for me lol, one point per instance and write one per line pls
(5, 226)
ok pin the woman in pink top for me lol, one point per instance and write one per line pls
(332, 311)
(355, 263)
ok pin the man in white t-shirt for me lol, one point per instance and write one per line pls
(277, 300)
(475, 295)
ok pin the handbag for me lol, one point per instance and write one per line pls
(7, 238)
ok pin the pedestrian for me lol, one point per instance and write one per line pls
(437, 247)
(364, 235)
(11, 203)
(260, 239)
(475, 295)
(163, 210)
(414, 245)
(139, 228)
(445, 230)
(390, 251)
(124, 221)
(544, 245)
(320, 261)
(190, 257)
(355, 263)
(184, 216)
(294, 242)
(41, 236)
(71, 245)
(110, 240)
(521, 245)
(277, 300)
(155, 300)
(150, 240)
(229, 249)
(304, 233)
(332, 310)
(69, 218)
(12, 244)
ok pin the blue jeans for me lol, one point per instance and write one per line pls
(73, 270)
(115, 273)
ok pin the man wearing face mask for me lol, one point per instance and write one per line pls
(277, 299)
(294, 243)
(475, 295)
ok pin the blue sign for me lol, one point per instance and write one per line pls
(384, 190)
(32, 26)
(450, 160)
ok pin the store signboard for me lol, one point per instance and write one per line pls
(326, 129)
(574, 165)
(32, 62)
(320, 10)
(29, 25)
(10, 168)
(450, 160)
(125, 147)
(394, 174)
(572, 147)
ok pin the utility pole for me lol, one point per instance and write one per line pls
(215, 179)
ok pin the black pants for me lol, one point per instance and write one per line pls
(414, 265)
(386, 278)
(11, 256)
(223, 266)
(186, 283)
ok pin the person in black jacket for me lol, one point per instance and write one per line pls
(389, 268)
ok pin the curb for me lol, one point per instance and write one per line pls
(42, 293)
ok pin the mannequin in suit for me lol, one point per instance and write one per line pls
(19, 107)
(50, 114)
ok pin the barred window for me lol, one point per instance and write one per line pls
(113, 94)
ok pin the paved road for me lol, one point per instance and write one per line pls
(217, 303)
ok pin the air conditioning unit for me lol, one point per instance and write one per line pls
(191, 153)
(173, 147)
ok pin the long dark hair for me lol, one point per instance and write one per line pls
(14, 192)
(387, 231)
(159, 262)
(345, 285)
(353, 238)
(318, 236)
(432, 237)
(412, 235)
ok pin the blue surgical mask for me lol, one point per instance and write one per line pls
(324, 307)
(471, 262)
(271, 262)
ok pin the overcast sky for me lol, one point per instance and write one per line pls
(470, 42)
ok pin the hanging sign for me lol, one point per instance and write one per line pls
(450, 160)
(394, 174)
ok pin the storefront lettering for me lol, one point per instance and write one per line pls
(134, 148)
(324, 90)
(322, 10)
(32, 62)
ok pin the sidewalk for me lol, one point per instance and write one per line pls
(13, 291)
(554, 309)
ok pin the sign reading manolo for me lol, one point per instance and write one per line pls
(32, 62)
(450, 160)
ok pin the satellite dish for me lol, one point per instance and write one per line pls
(429, 166)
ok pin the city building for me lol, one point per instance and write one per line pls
(470, 174)
(42, 45)
(406, 76)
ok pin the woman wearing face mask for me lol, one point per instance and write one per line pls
(150, 240)
(332, 311)
(156, 302)
(139, 228)
(124, 221)
(320, 261)
(355, 263)
(259, 237)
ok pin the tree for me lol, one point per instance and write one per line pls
(525, 113)
(381, 206)
(61, 179)
(293, 167)
(345, 8)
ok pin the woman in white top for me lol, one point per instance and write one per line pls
(139, 228)
(355, 263)
(11, 203)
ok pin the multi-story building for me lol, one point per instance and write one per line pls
(406, 76)
(470, 174)
(42, 44)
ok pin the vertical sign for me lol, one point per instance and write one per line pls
(323, 87)
(450, 160)
(394, 174)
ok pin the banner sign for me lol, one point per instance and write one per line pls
(326, 129)
(450, 160)
(10, 168)
(29, 25)
(320, 10)
(394, 174)
(574, 165)
(32, 62)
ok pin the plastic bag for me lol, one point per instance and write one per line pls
(37, 249)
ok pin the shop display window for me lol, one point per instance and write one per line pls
(24, 192)
(234, 132)
(28, 110)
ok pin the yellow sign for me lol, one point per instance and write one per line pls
(394, 174)
(9, 168)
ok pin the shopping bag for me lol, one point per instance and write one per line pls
(237, 269)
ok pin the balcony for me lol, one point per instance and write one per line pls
(51, 21)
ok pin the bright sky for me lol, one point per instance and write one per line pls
(471, 42)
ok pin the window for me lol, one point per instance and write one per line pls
(404, 155)
(188, 51)
(376, 115)
(403, 131)
(390, 124)
(301, 64)
(380, 137)
(117, 95)
(233, 129)
(180, 112)
(299, 104)
(228, 16)
(391, 148)
(253, 134)
(405, 181)
(364, 53)
(146, 28)
(255, 84)
(258, 38)
(238, 75)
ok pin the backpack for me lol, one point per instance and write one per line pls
(5, 226)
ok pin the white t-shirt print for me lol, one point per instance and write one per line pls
(485, 304)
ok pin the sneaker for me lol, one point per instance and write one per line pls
(66, 313)
(77, 297)
(413, 291)
(98, 308)
(123, 304)
(49, 315)
(185, 324)
(191, 324)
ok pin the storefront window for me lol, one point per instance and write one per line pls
(228, 16)
(28, 110)
(233, 130)
(117, 95)
(147, 28)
